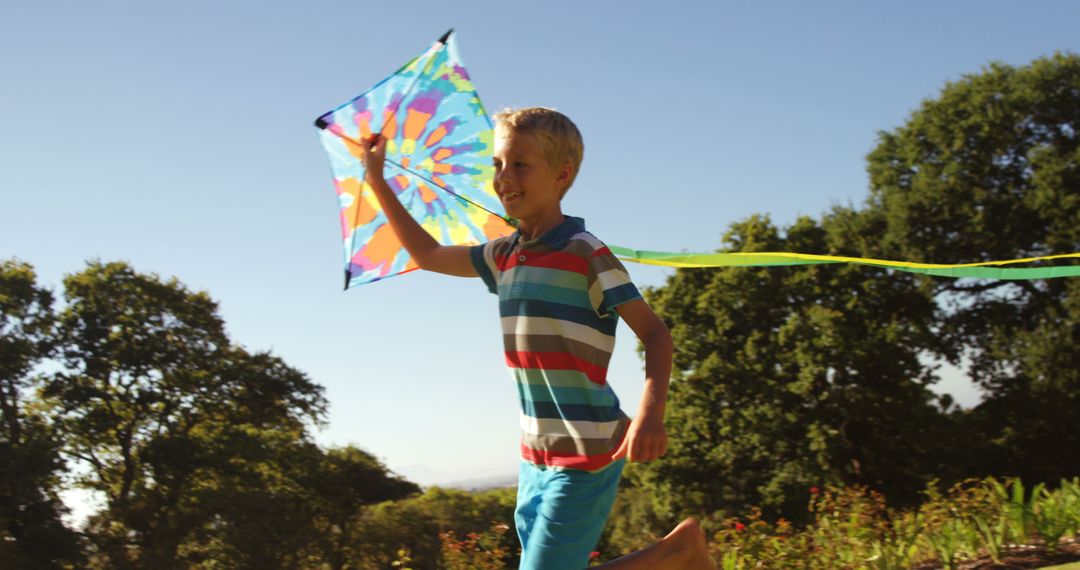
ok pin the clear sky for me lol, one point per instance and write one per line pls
(177, 136)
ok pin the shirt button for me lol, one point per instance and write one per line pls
(521, 258)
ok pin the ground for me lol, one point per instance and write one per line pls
(1025, 557)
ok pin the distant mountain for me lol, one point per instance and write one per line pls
(470, 481)
(484, 483)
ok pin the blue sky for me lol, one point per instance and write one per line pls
(177, 136)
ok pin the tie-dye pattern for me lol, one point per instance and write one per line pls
(436, 129)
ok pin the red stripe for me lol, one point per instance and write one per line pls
(560, 260)
(602, 251)
(549, 260)
(556, 361)
(566, 459)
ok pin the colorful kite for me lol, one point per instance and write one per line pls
(439, 143)
(439, 152)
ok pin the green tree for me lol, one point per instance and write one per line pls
(990, 169)
(346, 481)
(155, 401)
(787, 378)
(415, 523)
(277, 503)
(201, 449)
(797, 376)
(31, 532)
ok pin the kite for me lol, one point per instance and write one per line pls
(439, 151)
(438, 163)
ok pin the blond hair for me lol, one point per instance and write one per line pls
(560, 139)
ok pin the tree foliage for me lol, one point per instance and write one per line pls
(150, 390)
(785, 375)
(415, 524)
(32, 534)
(792, 377)
(200, 448)
(990, 169)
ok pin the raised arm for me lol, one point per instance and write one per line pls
(428, 253)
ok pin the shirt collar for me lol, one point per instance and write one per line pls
(558, 236)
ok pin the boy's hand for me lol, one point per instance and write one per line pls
(374, 151)
(645, 440)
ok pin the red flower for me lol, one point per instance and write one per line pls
(740, 526)
(594, 555)
(814, 490)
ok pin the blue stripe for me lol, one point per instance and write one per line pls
(618, 295)
(476, 254)
(570, 412)
(530, 308)
(545, 292)
(598, 396)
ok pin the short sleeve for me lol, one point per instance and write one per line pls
(609, 282)
(484, 258)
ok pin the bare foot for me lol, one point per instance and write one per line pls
(687, 548)
(682, 549)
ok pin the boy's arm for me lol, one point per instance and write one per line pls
(646, 439)
(428, 253)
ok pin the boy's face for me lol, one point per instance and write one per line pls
(524, 181)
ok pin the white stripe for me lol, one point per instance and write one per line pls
(578, 429)
(548, 326)
(612, 278)
(589, 239)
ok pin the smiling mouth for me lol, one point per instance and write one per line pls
(511, 196)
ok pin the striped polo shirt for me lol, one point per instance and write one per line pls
(557, 295)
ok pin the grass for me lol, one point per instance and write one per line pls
(853, 528)
(976, 520)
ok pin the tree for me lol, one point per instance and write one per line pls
(279, 503)
(414, 524)
(32, 534)
(990, 169)
(201, 449)
(150, 390)
(347, 480)
(788, 378)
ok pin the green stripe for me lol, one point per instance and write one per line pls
(548, 293)
(556, 277)
(1003, 273)
(766, 259)
(556, 378)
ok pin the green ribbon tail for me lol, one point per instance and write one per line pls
(982, 270)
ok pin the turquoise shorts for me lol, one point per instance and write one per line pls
(561, 513)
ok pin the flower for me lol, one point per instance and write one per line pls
(814, 490)
(740, 526)
(594, 555)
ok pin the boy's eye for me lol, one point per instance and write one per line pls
(516, 164)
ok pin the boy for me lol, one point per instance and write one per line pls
(561, 292)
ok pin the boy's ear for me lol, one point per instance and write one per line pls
(564, 174)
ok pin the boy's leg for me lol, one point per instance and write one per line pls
(570, 508)
(530, 485)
